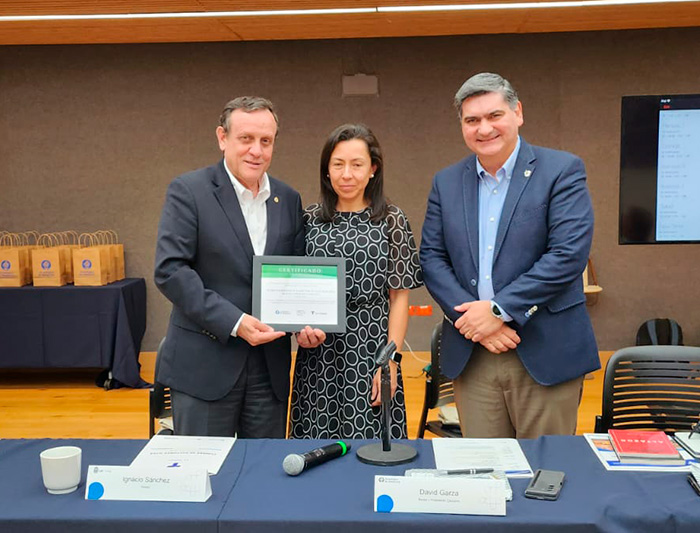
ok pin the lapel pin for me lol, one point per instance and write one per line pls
(277, 200)
(527, 173)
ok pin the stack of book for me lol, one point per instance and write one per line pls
(648, 447)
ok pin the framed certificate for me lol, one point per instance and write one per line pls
(290, 292)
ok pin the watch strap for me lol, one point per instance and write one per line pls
(396, 357)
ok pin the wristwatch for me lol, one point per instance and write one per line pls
(496, 311)
(396, 357)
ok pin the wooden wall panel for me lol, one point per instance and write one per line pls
(366, 25)
(83, 7)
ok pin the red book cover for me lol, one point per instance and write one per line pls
(629, 443)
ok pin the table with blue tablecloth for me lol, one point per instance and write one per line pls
(338, 496)
(75, 327)
(26, 507)
(252, 494)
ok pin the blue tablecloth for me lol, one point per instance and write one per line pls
(338, 496)
(75, 327)
(252, 494)
(26, 507)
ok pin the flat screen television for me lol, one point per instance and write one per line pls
(660, 169)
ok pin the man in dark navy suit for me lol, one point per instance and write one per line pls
(228, 372)
(506, 238)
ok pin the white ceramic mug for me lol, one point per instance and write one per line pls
(60, 468)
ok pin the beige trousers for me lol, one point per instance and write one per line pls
(496, 397)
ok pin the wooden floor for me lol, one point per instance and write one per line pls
(63, 404)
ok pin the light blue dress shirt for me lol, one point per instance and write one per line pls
(492, 196)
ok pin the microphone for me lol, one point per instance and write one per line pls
(385, 353)
(294, 464)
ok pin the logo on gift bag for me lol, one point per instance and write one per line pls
(5, 265)
(87, 264)
(46, 264)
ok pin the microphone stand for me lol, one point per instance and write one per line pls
(386, 454)
(385, 416)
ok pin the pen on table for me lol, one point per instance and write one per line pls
(470, 471)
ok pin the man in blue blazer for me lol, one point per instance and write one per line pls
(228, 372)
(505, 240)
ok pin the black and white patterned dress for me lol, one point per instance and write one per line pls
(333, 382)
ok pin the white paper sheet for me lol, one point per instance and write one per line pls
(499, 454)
(174, 451)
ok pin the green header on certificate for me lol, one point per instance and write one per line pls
(299, 271)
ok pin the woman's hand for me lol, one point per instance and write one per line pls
(310, 337)
(377, 384)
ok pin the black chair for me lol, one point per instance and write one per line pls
(660, 331)
(159, 405)
(438, 392)
(651, 387)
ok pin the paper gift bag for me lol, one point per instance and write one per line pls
(118, 254)
(104, 239)
(69, 240)
(91, 264)
(15, 268)
(12, 269)
(49, 262)
(110, 239)
(26, 242)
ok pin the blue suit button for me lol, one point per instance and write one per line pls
(473, 282)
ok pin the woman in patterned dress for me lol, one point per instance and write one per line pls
(336, 392)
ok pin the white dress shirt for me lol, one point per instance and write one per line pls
(254, 211)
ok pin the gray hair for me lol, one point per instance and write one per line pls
(484, 83)
(248, 104)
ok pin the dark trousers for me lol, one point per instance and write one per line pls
(251, 410)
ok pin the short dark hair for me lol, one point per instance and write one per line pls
(247, 104)
(485, 83)
(374, 192)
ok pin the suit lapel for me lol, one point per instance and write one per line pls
(273, 217)
(522, 174)
(470, 188)
(226, 196)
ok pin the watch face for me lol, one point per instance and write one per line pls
(495, 310)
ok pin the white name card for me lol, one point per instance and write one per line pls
(398, 494)
(147, 484)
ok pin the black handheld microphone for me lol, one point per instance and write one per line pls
(385, 353)
(294, 464)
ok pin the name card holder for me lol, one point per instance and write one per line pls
(147, 484)
(398, 494)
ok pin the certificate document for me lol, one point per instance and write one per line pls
(291, 292)
(173, 451)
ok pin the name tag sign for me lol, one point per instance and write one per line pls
(147, 484)
(398, 494)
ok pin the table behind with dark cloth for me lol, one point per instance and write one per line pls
(338, 496)
(75, 327)
(26, 507)
(252, 494)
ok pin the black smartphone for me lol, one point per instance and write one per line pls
(545, 485)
